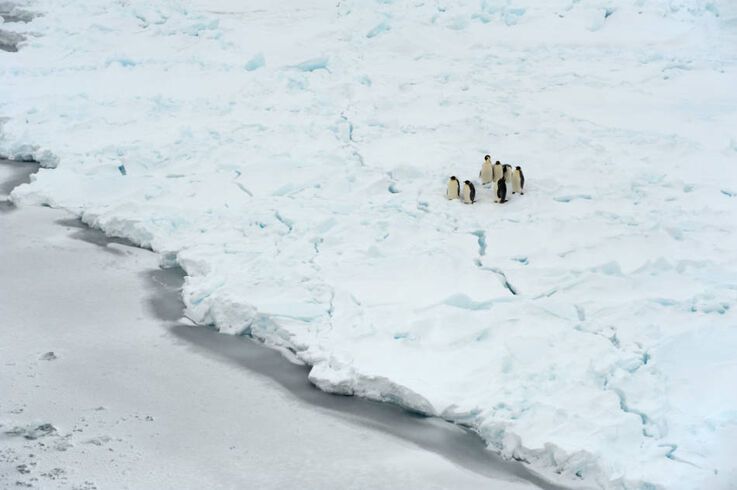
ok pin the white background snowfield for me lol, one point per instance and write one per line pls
(292, 157)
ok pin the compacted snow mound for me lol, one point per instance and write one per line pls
(293, 161)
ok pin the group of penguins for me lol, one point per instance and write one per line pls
(500, 176)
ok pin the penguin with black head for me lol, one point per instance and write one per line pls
(454, 188)
(469, 192)
(518, 181)
(497, 171)
(507, 174)
(487, 171)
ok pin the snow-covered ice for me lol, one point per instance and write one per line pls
(292, 159)
(131, 398)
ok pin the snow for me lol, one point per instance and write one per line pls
(258, 61)
(587, 328)
(129, 397)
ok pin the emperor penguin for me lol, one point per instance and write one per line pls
(487, 172)
(507, 173)
(469, 192)
(501, 191)
(497, 171)
(454, 188)
(518, 181)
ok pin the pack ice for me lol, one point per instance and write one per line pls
(292, 158)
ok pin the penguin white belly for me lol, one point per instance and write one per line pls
(487, 173)
(467, 194)
(452, 190)
(497, 172)
(516, 182)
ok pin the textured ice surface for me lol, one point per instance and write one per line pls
(587, 328)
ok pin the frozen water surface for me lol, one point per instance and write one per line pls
(589, 332)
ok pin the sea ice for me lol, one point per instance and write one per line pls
(585, 327)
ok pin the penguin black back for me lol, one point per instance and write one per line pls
(501, 190)
(471, 190)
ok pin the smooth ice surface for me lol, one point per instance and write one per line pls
(103, 388)
(587, 328)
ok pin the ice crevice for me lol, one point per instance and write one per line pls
(316, 242)
(285, 221)
(501, 275)
(581, 313)
(481, 239)
(350, 126)
(503, 278)
(624, 406)
(244, 189)
(672, 448)
(349, 139)
(331, 308)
